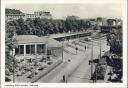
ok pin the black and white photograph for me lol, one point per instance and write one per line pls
(64, 43)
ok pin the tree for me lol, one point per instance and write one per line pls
(42, 27)
(9, 45)
(114, 39)
(12, 11)
(21, 27)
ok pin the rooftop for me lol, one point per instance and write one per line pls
(27, 39)
(24, 39)
(22, 14)
(51, 42)
(67, 34)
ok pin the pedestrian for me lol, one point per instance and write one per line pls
(64, 78)
(69, 60)
(85, 48)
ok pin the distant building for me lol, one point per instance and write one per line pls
(102, 21)
(11, 17)
(31, 16)
(93, 22)
(43, 14)
(112, 22)
(72, 18)
(40, 14)
(108, 22)
(99, 21)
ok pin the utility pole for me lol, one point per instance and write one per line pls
(62, 50)
(100, 47)
(13, 70)
(46, 52)
(99, 58)
(47, 38)
(92, 60)
(13, 66)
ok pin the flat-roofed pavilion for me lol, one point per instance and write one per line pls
(29, 45)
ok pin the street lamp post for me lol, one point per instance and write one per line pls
(95, 74)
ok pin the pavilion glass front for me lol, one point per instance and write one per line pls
(30, 49)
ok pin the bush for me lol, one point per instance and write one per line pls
(7, 79)
(19, 73)
(49, 63)
(31, 75)
(102, 61)
(100, 71)
(7, 72)
(43, 60)
(42, 67)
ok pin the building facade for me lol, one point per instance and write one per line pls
(39, 14)
(11, 17)
(29, 46)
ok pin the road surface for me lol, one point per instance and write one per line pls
(79, 63)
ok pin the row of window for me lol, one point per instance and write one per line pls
(29, 16)
(14, 16)
(30, 49)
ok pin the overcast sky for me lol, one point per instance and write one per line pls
(90, 10)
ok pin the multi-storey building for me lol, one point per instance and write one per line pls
(39, 14)
(11, 17)
(43, 14)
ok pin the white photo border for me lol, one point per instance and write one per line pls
(64, 85)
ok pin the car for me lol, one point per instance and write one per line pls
(49, 63)
(93, 61)
(87, 39)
